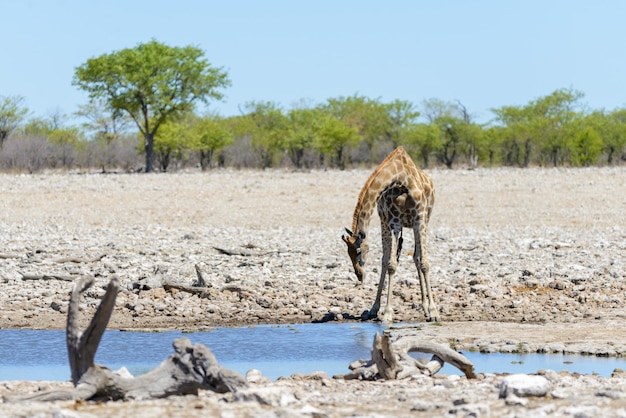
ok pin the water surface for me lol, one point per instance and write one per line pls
(276, 350)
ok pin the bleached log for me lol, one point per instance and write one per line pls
(406, 345)
(391, 360)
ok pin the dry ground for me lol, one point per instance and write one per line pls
(530, 256)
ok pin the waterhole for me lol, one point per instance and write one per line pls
(276, 350)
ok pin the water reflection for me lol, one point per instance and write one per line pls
(275, 350)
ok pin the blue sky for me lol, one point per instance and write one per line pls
(485, 54)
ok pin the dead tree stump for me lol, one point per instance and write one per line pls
(190, 368)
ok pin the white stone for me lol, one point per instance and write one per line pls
(524, 385)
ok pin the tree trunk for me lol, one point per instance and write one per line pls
(149, 149)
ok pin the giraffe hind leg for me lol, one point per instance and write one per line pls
(428, 303)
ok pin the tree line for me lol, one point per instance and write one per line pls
(142, 116)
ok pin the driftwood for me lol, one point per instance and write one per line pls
(48, 277)
(245, 253)
(78, 260)
(185, 288)
(391, 360)
(199, 287)
(201, 281)
(4, 256)
(191, 368)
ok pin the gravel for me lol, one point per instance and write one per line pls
(525, 258)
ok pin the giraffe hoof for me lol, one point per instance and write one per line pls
(433, 318)
(367, 315)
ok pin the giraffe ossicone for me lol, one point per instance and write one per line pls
(404, 197)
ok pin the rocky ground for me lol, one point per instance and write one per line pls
(531, 259)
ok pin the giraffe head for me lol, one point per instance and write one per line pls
(357, 250)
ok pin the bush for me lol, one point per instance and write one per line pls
(30, 154)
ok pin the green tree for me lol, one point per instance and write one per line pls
(611, 126)
(152, 82)
(170, 142)
(369, 118)
(547, 123)
(209, 135)
(516, 136)
(401, 116)
(334, 136)
(556, 115)
(12, 113)
(266, 124)
(424, 140)
(587, 146)
(457, 130)
(303, 132)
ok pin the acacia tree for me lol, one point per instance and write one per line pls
(517, 137)
(209, 135)
(611, 126)
(302, 133)
(556, 117)
(152, 82)
(369, 118)
(266, 124)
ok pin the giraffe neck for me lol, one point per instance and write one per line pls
(391, 170)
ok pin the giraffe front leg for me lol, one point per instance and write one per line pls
(373, 312)
(388, 315)
(387, 244)
(392, 265)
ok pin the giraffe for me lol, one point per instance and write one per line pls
(404, 196)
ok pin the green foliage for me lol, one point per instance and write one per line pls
(170, 142)
(587, 146)
(516, 135)
(401, 116)
(153, 83)
(546, 124)
(267, 128)
(554, 129)
(302, 133)
(209, 135)
(367, 118)
(423, 140)
(611, 127)
(334, 136)
(458, 133)
(12, 113)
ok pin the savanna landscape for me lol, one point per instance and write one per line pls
(207, 221)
